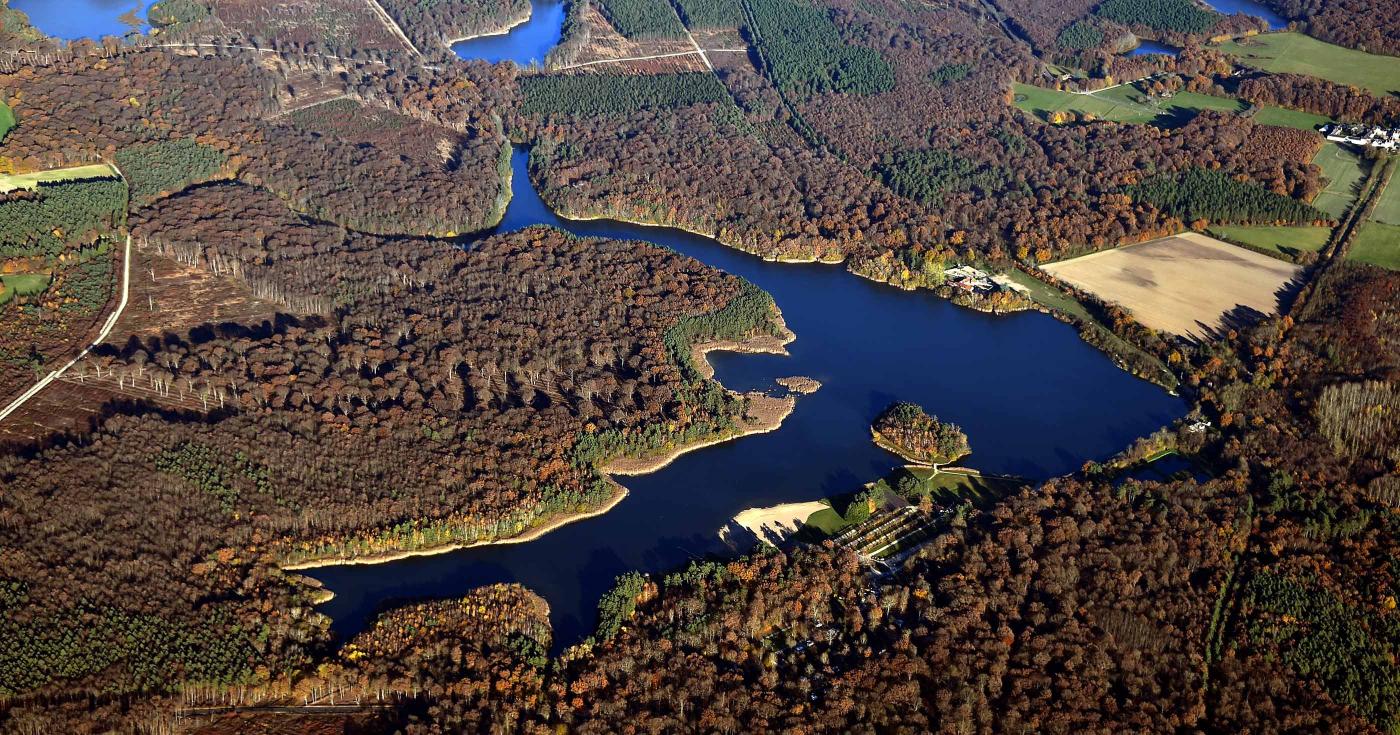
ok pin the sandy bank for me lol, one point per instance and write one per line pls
(763, 344)
(510, 26)
(775, 522)
(556, 521)
(766, 413)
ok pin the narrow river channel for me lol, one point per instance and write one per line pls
(1034, 400)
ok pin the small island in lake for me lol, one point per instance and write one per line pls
(907, 430)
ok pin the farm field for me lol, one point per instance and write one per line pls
(1388, 208)
(1296, 53)
(1344, 171)
(1378, 244)
(1286, 241)
(1184, 284)
(1290, 118)
(10, 182)
(1118, 104)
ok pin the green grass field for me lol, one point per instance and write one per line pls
(1387, 209)
(1296, 53)
(1344, 171)
(1287, 241)
(1048, 296)
(1289, 118)
(7, 120)
(948, 488)
(1377, 244)
(827, 520)
(10, 182)
(22, 284)
(1121, 104)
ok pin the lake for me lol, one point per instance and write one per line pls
(1033, 398)
(71, 19)
(1146, 47)
(523, 44)
(1250, 7)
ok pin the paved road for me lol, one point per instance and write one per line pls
(101, 337)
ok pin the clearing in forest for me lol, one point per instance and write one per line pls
(1296, 53)
(1124, 104)
(1186, 284)
(10, 182)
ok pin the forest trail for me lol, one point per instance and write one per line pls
(101, 337)
(697, 50)
(393, 26)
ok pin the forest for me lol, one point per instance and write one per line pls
(417, 382)
(435, 23)
(642, 18)
(912, 433)
(1201, 194)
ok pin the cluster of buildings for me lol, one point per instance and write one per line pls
(969, 279)
(1367, 135)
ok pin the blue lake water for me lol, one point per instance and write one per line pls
(1146, 47)
(71, 19)
(1250, 7)
(1034, 399)
(525, 43)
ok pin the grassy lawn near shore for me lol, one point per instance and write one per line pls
(948, 488)
(1296, 53)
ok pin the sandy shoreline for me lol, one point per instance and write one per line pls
(769, 413)
(510, 26)
(619, 492)
(777, 521)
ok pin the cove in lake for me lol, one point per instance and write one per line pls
(1034, 399)
(528, 42)
(72, 19)
(1146, 47)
